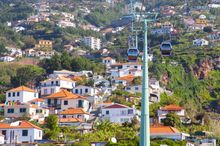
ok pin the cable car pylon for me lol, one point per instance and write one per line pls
(144, 18)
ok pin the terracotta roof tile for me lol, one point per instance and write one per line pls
(172, 107)
(128, 78)
(72, 111)
(116, 106)
(21, 88)
(107, 58)
(163, 129)
(77, 78)
(64, 94)
(37, 100)
(22, 124)
(70, 120)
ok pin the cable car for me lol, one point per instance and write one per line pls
(133, 54)
(166, 48)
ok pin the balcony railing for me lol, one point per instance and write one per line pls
(50, 85)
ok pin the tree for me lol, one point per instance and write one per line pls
(27, 75)
(3, 50)
(52, 129)
(137, 81)
(171, 120)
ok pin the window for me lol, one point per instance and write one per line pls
(45, 91)
(107, 112)
(39, 111)
(18, 93)
(39, 133)
(86, 90)
(80, 103)
(135, 67)
(136, 88)
(81, 91)
(76, 91)
(123, 112)
(51, 90)
(65, 102)
(52, 83)
(9, 94)
(128, 88)
(24, 132)
(22, 110)
(35, 94)
(64, 116)
(10, 110)
(130, 111)
(49, 101)
(13, 94)
(57, 83)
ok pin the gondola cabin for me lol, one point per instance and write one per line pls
(166, 49)
(133, 54)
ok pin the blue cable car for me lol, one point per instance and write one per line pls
(166, 48)
(133, 54)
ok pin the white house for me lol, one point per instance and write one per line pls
(7, 59)
(53, 85)
(163, 111)
(24, 109)
(21, 94)
(167, 132)
(118, 113)
(70, 122)
(74, 113)
(200, 42)
(2, 139)
(92, 42)
(125, 80)
(64, 99)
(108, 61)
(134, 88)
(85, 90)
(20, 132)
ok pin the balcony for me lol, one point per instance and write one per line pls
(56, 106)
(50, 85)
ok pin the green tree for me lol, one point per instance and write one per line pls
(171, 120)
(27, 75)
(52, 129)
(3, 50)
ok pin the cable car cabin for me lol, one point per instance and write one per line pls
(166, 48)
(133, 54)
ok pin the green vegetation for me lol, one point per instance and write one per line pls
(65, 61)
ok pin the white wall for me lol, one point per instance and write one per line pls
(115, 115)
(33, 134)
(82, 90)
(73, 103)
(23, 97)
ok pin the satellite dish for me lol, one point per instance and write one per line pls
(113, 140)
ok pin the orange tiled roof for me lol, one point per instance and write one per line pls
(77, 78)
(64, 94)
(128, 78)
(72, 111)
(107, 58)
(37, 100)
(22, 88)
(163, 129)
(116, 105)
(22, 124)
(172, 107)
(69, 120)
